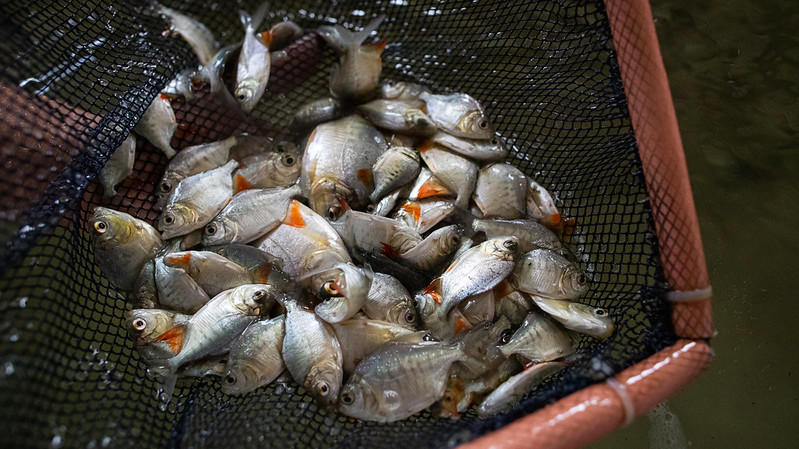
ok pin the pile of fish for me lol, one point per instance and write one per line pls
(388, 260)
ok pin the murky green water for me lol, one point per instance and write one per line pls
(734, 73)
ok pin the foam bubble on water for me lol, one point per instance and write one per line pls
(665, 431)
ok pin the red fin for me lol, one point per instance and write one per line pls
(266, 37)
(426, 145)
(461, 324)
(178, 261)
(378, 46)
(240, 183)
(423, 108)
(414, 209)
(433, 290)
(174, 337)
(430, 188)
(294, 215)
(365, 176)
(569, 225)
(502, 290)
(554, 222)
(260, 274)
(165, 97)
(343, 203)
(389, 251)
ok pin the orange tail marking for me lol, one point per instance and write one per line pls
(294, 215)
(569, 226)
(430, 188)
(426, 145)
(414, 209)
(179, 261)
(461, 324)
(433, 289)
(343, 203)
(266, 37)
(174, 337)
(366, 177)
(241, 183)
(379, 46)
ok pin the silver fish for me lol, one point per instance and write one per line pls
(461, 394)
(194, 32)
(196, 201)
(317, 112)
(215, 366)
(399, 380)
(337, 163)
(191, 161)
(358, 70)
(510, 392)
(122, 245)
(212, 74)
(252, 73)
(252, 145)
(344, 288)
(249, 214)
(541, 206)
(510, 303)
(181, 85)
(283, 33)
(401, 90)
(478, 308)
(360, 337)
(491, 149)
(539, 339)
(458, 114)
(393, 169)
(545, 273)
(386, 204)
(501, 191)
(397, 116)
(146, 293)
(389, 301)
(119, 166)
(594, 321)
(531, 234)
(176, 289)
(434, 250)
(312, 353)
(423, 215)
(157, 125)
(373, 233)
(266, 171)
(255, 357)
(453, 170)
(256, 262)
(213, 272)
(146, 326)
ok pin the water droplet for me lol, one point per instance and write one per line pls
(105, 441)
(8, 368)
(56, 442)
(358, 13)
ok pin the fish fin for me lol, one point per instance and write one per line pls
(461, 324)
(343, 203)
(361, 36)
(366, 177)
(240, 183)
(502, 289)
(174, 337)
(434, 289)
(569, 226)
(260, 274)
(266, 38)
(431, 188)
(554, 222)
(426, 145)
(259, 15)
(389, 251)
(414, 209)
(294, 215)
(167, 389)
(377, 47)
(178, 261)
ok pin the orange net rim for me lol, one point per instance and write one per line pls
(595, 411)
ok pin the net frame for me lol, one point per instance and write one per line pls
(653, 121)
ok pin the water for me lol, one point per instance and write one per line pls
(733, 67)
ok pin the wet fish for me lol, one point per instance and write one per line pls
(176, 289)
(256, 262)
(539, 339)
(386, 204)
(453, 170)
(338, 161)
(373, 233)
(545, 273)
(119, 166)
(458, 114)
(398, 116)
(501, 191)
(199, 37)
(146, 326)
(196, 201)
(360, 337)
(393, 169)
(358, 70)
(266, 171)
(252, 73)
(145, 292)
(212, 74)
(251, 145)
(462, 393)
(312, 353)
(388, 300)
(531, 234)
(399, 380)
(191, 161)
(181, 85)
(255, 357)
(593, 321)
(344, 290)
(317, 112)
(157, 124)
(510, 392)
(491, 149)
(249, 214)
(434, 250)
(122, 245)
(423, 215)
(478, 308)
(510, 303)
(541, 206)
(402, 91)
(215, 273)
(426, 185)
(283, 34)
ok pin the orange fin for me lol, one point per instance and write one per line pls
(430, 188)
(366, 177)
(433, 290)
(240, 183)
(266, 37)
(294, 215)
(174, 337)
(343, 203)
(569, 226)
(389, 251)
(461, 324)
(502, 290)
(260, 274)
(178, 261)
(414, 209)
(554, 222)
(379, 46)
(426, 145)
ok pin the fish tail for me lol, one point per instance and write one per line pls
(168, 386)
(361, 36)
(260, 15)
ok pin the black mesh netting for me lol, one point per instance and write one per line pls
(86, 69)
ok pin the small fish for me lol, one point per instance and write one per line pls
(249, 214)
(539, 339)
(252, 73)
(146, 293)
(255, 357)
(373, 233)
(510, 303)
(531, 234)
(317, 112)
(388, 300)
(312, 353)
(212, 74)
(256, 262)
(360, 337)
(395, 168)
(510, 392)
(266, 171)
(119, 166)
(122, 245)
(344, 290)
(593, 321)
(196, 201)
(213, 272)
(453, 170)
(501, 191)
(461, 394)
(423, 215)
(157, 125)
(434, 250)
(458, 114)
(146, 326)
(545, 273)
(283, 34)
(358, 70)
(176, 289)
(181, 85)
(191, 161)
(397, 116)
(541, 206)
(399, 380)
(491, 149)
(386, 204)
(402, 91)
(194, 32)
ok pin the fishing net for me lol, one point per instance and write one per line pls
(76, 76)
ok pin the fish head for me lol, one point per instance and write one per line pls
(474, 124)
(574, 282)
(165, 188)
(255, 299)
(146, 325)
(219, 231)
(391, 90)
(324, 380)
(494, 146)
(325, 195)
(287, 168)
(451, 241)
(176, 219)
(419, 121)
(404, 314)
(596, 321)
(358, 399)
(505, 248)
(245, 93)
(110, 228)
(240, 379)
(345, 288)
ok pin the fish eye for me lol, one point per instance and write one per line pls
(166, 187)
(288, 160)
(482, 124)
(410, 317)
(100, 226)
(510, 244)
(258, 294)
(581, 279)
(600, 312)
(331, 289)
(347, 398)
(333, 213)
(242, 96)
(169, 218)
(494, 141)
(230, 379)
(323, 387)
(139, 324)
(370, 208)
(505, 336)
(210, 229)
